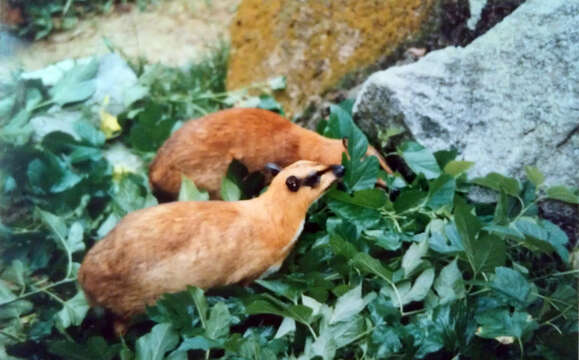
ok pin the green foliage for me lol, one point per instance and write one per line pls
(415, 272)
(42, 17)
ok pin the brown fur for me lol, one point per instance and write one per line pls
(203, 149)
(164, 248)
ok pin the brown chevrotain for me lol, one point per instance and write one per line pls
(203, 149)
(208, 244)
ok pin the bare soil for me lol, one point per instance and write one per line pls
(172, 32)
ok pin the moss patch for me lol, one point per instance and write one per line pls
(316, 43)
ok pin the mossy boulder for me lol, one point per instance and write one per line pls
(315, 44)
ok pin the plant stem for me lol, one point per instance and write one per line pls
(44, 289)
(564, 273)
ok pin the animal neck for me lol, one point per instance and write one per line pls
(282, 214)
(318, 148)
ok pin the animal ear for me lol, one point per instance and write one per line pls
(273, 168)
(345, 142)
(293, 183)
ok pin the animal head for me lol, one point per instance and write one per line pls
(303, 181)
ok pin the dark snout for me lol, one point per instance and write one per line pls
(338, 170)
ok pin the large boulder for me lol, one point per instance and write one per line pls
(507, 100)
(316, 43)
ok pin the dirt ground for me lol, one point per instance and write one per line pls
(172, 32)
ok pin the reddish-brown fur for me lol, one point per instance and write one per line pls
(164, 248)
(203, 149)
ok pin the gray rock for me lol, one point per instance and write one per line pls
(507, 100)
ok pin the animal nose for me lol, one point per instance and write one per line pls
(338, 170)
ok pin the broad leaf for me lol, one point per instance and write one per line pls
(218, 322)
(496, 323)
(499, 182)
(189, 192)
(73, 311)
(413, 257)
(535, 176)
(449, 284)
(563, 193)
(420, 160)
(441, 192)
(456, 167)
(154, 345)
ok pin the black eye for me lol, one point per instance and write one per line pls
(312, 180)
(293, 183)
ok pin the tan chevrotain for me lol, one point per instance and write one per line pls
(203, 149)
(208, 244)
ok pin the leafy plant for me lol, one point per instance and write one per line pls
(415, 272)
(42, 17)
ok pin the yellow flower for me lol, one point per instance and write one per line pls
(119, 172)
(109, 123)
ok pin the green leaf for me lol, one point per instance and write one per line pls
(75, 237)
(420, 160)
(361, 173)
(270, 305)
(505, 231)
(409, 199)
(229, 190)
(340, 124)
(489, 251)
(153, 126)
(368, 198)
(412, 259)
(512, 284)
(501, 211)
(348, 305)
(323, 347)
(449, 284)
(50, 174)
(501, 322)
(287, 326)
(456, 167)
(156, 343)
(77, 84)
(200, 303)
(218, 322)
(345, 332)
(366, 263)
(499, 182)
(468, 227)
(55, 224)
(562, 193)
(421, 287)
(412, 292)
(441, 192)
(281, 288)
(385, 342)
(359, 216)
(73, 311)
(268, 102)
(543, 236)
(388, 240)
(195, 343)
(535, 176)
(445, 240)
(189, 192)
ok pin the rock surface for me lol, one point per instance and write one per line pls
(507, 100)
(316, 43)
